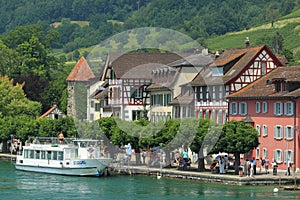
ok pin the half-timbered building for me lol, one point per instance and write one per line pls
(272, 105)
(232, 70)
(128, 76)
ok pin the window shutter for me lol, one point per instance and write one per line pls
(275, 111)
(285, 108)
(280, 132)
(285, 156)
(275, 135)
(292, 108)
(285, 132)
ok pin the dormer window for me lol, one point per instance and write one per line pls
(217, 71)
(280, 84)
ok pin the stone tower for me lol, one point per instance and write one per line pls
(77, 81)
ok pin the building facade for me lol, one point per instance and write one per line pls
(273, 105)
(166, 88)
(230, 71)
(128, 75)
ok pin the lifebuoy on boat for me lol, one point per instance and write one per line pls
(90, 149)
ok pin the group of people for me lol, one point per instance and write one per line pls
(220, 165)
(250, 166)
(182, 161)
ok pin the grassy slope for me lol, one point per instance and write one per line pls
(288, 27)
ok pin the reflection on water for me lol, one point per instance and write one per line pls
(25, 185)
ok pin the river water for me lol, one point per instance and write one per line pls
(15, 185)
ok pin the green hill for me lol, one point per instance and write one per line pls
(288, 28)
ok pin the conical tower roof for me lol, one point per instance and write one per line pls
(81, 71)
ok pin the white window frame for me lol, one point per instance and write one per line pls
(257, 153)
(233, 108)
(289, 108)
(258, 129)
(265, 153)
(278, 155)
(264, 107)
(278, 108)
(278, 132)
(241, 106)
(265, 130)
(258, 107)
(288, 156)
(288, 132)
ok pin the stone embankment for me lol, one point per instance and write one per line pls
(192, 174)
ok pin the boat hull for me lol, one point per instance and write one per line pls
(83, 167)
(88, 171)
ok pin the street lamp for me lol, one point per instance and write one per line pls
(11, 143)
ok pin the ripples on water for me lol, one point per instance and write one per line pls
(15, 185)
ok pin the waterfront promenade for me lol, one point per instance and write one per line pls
(192, 174)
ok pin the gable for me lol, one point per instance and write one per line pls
(262, 63)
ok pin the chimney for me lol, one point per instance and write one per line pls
(247, 42)
(205, 52)
(217, 54)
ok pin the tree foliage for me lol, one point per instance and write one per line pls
(237, 138)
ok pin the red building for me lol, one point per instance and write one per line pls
(272, 105)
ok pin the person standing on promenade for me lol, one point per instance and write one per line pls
(267, 165)
(252, 168)
(274, 166)
(289, 165)
(254, 162)
(261, 164)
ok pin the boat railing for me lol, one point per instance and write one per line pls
(50, 140)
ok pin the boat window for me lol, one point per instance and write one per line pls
(31, 154)
(54, 155)
(43, 154)
(49, 155)
(25, 153)
(60, 155)
(37, 154)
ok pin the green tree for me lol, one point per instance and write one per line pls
(206, 136)
(13, 100)
(237, 138)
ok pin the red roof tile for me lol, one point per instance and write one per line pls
(240, 58)
(81, 71)
(48, 112)
(263, 87)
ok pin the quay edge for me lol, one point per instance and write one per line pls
(192, 174)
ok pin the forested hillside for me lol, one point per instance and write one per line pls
(200, 19)
(33, 33)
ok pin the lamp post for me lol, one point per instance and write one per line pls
(11, 143)
(160, 158)
(101, 144)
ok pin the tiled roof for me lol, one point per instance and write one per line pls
(240, 58)
(48, 112)
(81, 71)
(182, 99)
(263, 87)
(196, 60)
(138, 64)
(102, 94)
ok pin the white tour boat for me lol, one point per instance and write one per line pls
(78, 157)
